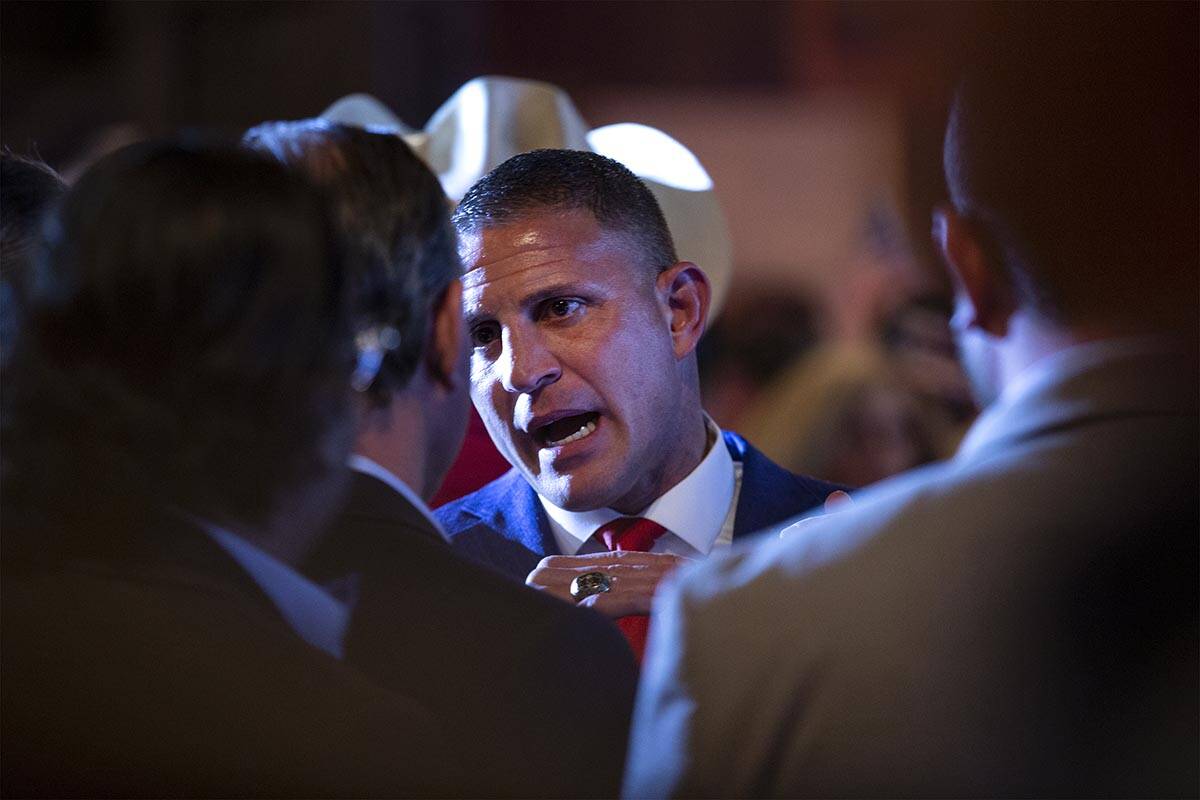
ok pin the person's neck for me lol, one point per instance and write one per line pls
(692, 445)
(395, 439)
(1032, 337)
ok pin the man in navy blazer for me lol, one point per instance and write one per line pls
(584, 324)
(505, 526)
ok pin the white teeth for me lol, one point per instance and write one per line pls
(586, 430)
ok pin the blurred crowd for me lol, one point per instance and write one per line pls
(853, 410)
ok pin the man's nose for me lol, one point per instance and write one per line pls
(527, 363)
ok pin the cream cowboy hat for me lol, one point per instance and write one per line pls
(490, 119)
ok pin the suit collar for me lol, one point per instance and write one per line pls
(694, 509)
(398, 491)
(1101, 380)
(770, 494)
(372, 499)
(509, 503)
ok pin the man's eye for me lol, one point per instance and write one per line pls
(563, 307)
(483, 335)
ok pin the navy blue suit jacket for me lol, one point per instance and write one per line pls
(504, 526)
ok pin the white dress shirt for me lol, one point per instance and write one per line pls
(698, 512)
(312, 613)
(362, 464)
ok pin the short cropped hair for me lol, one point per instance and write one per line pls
(570, 180)
(395, 219)
(28, 189)
(1074, 148)
(187, 346)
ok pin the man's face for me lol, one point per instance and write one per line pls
(573, 368)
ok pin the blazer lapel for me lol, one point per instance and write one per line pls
(531, 526)
(513, 532)
(770, 495)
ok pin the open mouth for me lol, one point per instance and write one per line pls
(566, 430)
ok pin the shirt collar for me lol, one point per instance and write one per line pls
(360, 463)
(693, 509)
(312, 613)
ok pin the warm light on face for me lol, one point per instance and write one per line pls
(573, 368)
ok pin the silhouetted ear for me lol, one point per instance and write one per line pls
(444, 351)
(686, 294)
(983, 297)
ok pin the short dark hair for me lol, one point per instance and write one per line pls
(1074, 148)
(28, 189)
(395, 218)
(187, 346)
(566, 180)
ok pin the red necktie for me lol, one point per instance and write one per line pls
(637, 534)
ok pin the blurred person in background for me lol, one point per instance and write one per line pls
(920, 346)
(843, 413)
(176, 422)
(584, 325)
(760, 333)
(502, 666)
(858, 411)
(1023, 619)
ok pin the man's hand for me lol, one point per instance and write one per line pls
(634, 578)
(836, 501)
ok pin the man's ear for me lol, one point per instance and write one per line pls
(686, 294)
(444, 349)
(983, 297)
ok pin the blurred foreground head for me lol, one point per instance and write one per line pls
(396, 221)
(1071, 154)
(1071, 159)
(186, 347)
(28, 188)
(404, 268)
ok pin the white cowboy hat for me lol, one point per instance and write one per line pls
(490, 119)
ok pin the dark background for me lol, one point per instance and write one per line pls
(70, 70)
(71, 67)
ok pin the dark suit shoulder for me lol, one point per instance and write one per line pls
(502, 526)
(370, 533)
(487, 505)
(770, 494)
(505, 667)
(199, 689)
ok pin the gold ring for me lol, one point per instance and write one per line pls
(590, 583)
